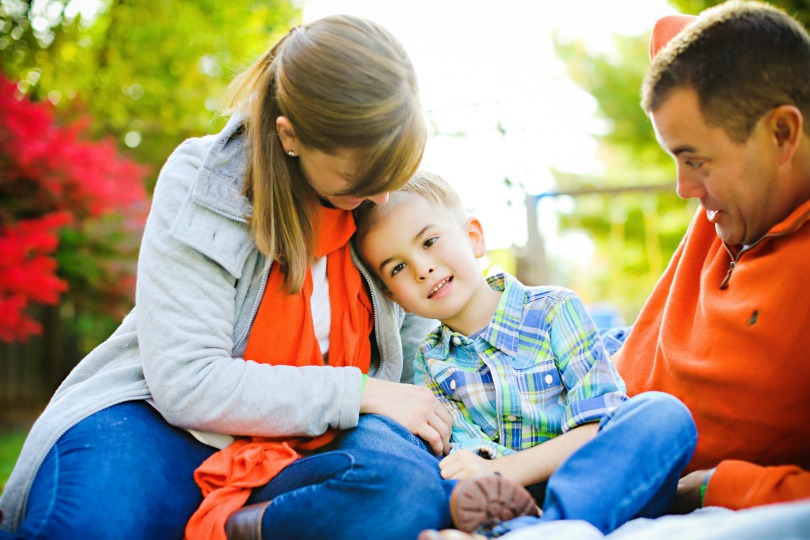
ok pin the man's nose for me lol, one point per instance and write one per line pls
(688, 185)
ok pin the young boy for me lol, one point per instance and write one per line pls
(521, 369)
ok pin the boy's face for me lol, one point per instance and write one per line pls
(426, 257)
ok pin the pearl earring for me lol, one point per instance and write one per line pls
(291, 153)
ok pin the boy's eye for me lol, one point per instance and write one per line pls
(430, 241)
(397, 269)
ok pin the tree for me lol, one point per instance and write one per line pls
(143, 76)
(635, 232)
(59, 194)
(150, 74)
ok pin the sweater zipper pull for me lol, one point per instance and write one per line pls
(724, 284)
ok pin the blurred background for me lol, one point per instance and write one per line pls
(534, 118)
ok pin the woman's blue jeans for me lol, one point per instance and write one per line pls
(124, 472)
(630, 469)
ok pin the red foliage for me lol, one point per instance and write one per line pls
(50, 178)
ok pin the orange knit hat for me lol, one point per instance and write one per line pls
(665, 29)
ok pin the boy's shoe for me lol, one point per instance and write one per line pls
(482, 502)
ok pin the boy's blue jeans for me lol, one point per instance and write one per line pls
(630, 469)
(125, 473)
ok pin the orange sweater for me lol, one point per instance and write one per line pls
(738, 355)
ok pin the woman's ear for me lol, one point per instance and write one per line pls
(476, 233)
(286, 133)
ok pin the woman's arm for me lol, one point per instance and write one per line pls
(195, 268)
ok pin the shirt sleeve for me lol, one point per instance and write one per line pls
(740, 484)
(594, 387)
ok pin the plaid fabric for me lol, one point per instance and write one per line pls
(538, 370)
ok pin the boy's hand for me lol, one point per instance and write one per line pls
(415, 407)
(463, 464)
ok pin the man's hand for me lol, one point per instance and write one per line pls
(415, 407)
(463, 464)
(687, 498)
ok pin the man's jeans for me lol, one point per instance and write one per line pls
(125, 473)
(630, 469)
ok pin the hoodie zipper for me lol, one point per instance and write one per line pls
(736, 259)
(375, 310)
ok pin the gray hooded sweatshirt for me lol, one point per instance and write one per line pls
(200, 281)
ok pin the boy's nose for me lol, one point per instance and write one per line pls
(424, 273)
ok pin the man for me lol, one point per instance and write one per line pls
(727, 328)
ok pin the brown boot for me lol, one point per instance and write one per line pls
(485, 501)
(246, 523)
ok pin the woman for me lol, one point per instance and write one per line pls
(254, 319)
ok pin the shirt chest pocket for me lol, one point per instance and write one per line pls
(472, 392)
(536, 381)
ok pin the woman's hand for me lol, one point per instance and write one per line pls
(415, 407)
(463, 464)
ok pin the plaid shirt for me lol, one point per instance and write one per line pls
(538, 370)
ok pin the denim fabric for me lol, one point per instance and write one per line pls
(381, 482)
(630, 469)
(125, 473)
(121, 473)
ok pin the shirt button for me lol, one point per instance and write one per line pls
(511, 417)
(457, 340)
(453, 384)
(549, 379)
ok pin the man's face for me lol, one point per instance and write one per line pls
(737, 184)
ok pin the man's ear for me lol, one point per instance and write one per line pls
(786, 123)
(286, 132)
(476, 233)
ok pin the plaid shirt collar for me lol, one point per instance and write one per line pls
(510, 311)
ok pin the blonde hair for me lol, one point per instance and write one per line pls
(428, 186)
(343, 83)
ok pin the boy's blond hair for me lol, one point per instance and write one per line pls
(426, 185)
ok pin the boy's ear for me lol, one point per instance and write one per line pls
(388, 294)
(476, 233)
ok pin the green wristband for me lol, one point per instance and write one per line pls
(363, 382)
(703, 487)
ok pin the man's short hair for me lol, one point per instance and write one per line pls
(743, 58)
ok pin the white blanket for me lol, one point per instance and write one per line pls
(790, 521)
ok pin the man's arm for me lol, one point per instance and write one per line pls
(740, 484)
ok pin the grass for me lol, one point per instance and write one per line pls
(10, 445)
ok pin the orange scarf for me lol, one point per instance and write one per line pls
(283, 334)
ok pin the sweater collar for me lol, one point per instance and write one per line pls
(220, 180)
